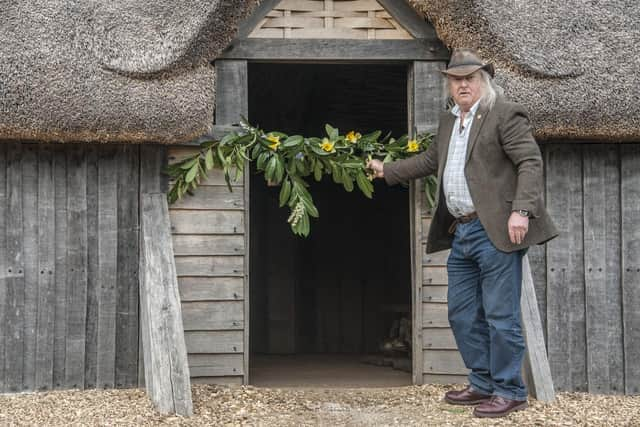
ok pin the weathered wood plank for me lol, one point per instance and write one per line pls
(91, 337)
(46, 270)
(211, 288)
(434, 275)
(209, 265)
(207, 222)
(200, 244)
(107, 265)
(3, 262)
(429, 90)
(629, 196)
(31, 272)
(332, 49)
(212, 197)
(565, 269)
(444, 362)
(541, 385)
(60, 321)
(416, 231)
(602, 269)
(538, 260)
(76, 238)
(434, 293)
(214, 341)
(434, 315)
(444, 379)
(231, 91)
(406, 16)
(439, 338)
(14, 335)
(212, 365)
(213, 315)
(217, 380)
(436, 259)
(247, 274)
(126, 357)
(164, 346)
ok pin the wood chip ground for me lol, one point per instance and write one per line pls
(239, 406)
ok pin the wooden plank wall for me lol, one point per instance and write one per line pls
(586, 279)
(68, 252)
(209, 247)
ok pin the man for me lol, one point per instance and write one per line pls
(490, 210)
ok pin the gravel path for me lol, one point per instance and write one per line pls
(216, 405)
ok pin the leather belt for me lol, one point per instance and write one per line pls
(462, 220)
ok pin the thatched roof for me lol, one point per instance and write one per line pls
(128, 70)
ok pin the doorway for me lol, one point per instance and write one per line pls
(333, 309)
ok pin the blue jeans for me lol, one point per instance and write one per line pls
(484, 311)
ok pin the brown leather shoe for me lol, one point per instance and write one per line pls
(499, 407)
(468, 396)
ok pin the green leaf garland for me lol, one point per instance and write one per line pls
(289, 160)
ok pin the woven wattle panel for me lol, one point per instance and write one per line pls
(329, 19)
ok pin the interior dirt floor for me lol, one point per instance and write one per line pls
(322, 370)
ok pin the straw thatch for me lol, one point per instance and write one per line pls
(139, 71)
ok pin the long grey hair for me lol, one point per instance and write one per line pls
(490, 92)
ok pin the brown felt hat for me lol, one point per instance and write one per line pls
(466, 61)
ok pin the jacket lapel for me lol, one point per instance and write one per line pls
(445, 138)
(478, 120)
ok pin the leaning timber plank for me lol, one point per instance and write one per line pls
(207, 222)
(214, 342)
(213, 315)
(14, 332)
(444, 379)
(601, 270)
(31, 272)
(630, 197)
(538, 260)
(211, 365)
(536, 354)
(107, 265)
(443, 362)
(212, 197)
(91, 334)
(46, 270)
(61, 244)
(434, 275)
(434, 315)
(165, 354)
(208, 244)
(565, 270)
(217, 380)
(3, 260)
(438, 338)
(126, 362)
(78, 188)
(209, 265)
(211, 288)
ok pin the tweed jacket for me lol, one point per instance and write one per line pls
(503, 168)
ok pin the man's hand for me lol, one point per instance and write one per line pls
(377, 167)
(518, 226)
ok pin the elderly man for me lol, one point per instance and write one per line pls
(490, 210)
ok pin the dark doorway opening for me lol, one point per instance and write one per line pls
(322, 306)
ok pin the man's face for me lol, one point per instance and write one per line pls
(466, 90)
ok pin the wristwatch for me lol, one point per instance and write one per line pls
(523, 212)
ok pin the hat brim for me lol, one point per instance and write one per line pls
(465, 70)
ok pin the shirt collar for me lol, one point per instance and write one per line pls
(456, 109)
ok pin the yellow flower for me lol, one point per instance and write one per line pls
(413, 146)
(353, 137)
(276, 141)
(327, 145)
